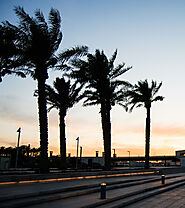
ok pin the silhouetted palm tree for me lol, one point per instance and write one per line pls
(98, 74)
(62, 97)
(143, 95)
(2, 151)
(37, 43)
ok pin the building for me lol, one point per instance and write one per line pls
(181, 155)
(4, 163)
(92, 161)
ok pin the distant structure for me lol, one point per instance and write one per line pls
(91, 161)
(4, 163)
(180, 154)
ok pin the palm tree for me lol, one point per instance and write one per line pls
(37, 43)
(142, 94)
(98, 74)
(62, 97)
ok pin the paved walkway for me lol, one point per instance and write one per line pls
(171, 199)
(175, 198)
(80, 201)
(86, 199)
(21, 188)
(10, 176)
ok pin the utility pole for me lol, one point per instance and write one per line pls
(97, 153)
(114, 154)
(80, 156)
(19, 134)
(129, 157)
(80, 152)
(77, 152)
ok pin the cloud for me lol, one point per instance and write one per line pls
(169, 131)
(54, 149)
(6, 142)
(127, 129)
(12, 113)
(162, 130)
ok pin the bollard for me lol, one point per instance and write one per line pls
(163, 179)
(103, 191)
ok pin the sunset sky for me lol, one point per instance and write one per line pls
(149, 35)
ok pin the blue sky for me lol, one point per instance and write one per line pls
(149, 35)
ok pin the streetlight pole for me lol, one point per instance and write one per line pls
(129, 157)
(77, 152)
(80, 156)
(19, 134)
(114, 154)
(80, 152)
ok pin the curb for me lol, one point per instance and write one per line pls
(39, 178)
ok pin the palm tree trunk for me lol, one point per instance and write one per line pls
(106, 127)
(147, 141)
(62, 139)
(43, 123)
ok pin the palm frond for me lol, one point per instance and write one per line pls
(132, 107)
(54, 28)
(24, 17)
(122, 83)
(112, 59)
(98, 74)
(139, 105)
(142, 94)
(40, 18)
(156, 89)
(55, 21)
(74, 52)
(90, 103)
(50, 108)
(79, 64)
(158, 98)
(64, 67)
(63, 96)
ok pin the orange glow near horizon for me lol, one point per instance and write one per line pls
(119, 152)
(165, 140)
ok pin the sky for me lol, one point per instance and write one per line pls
(149, 36)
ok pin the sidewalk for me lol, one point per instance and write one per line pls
(28, 188)
(18, 189)
(171, 199)
(83, 201)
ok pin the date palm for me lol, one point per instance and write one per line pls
(102, 87)
(36, 43)
(142, 94)
(62, 97)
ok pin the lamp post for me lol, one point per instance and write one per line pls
(80, 156)
(77, 152)
(19, 135)
(114, 154)
(97, 153)
(129, 157)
